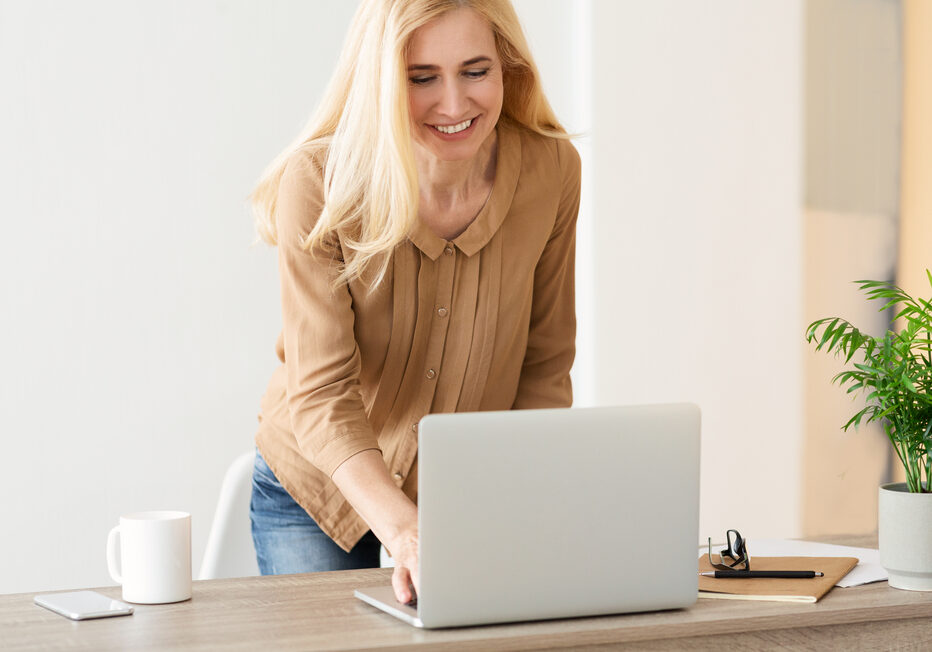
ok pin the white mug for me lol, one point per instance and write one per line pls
(154, 554)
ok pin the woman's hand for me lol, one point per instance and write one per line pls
(364, 481)
(404, 551)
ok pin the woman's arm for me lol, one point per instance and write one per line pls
(321, 355)
(322, 363)
(364, 481)
(551, 345)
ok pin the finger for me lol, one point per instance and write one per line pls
(415, 577)
(400, 581)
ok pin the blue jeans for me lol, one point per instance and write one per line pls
(288, 540)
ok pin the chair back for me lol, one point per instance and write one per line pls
(230, 551)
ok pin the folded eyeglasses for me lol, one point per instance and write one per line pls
(734, 556)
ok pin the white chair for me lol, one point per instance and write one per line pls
(229, 551)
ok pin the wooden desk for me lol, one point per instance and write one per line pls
(318, 612)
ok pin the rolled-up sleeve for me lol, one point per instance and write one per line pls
(322, 359)
(545, 373)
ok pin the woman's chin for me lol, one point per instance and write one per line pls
(452, 151)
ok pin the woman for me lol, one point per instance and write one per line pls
(425, 222)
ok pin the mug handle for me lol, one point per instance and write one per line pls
(112, 556)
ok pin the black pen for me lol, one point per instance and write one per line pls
(740, 574)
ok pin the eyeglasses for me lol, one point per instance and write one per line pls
(735, 556)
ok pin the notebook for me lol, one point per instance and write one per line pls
(777, 590)
(540, 514)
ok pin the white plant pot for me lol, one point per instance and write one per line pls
(905, 533)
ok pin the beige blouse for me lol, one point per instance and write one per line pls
(483, 322)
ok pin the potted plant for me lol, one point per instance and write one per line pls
(895, 371)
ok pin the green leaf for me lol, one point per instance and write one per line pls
(827, 333)
(838, 334)
(928, 307)
(857, 340)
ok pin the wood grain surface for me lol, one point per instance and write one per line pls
(319, 612)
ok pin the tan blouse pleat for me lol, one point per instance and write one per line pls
(483, 322)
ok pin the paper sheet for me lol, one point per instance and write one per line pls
(868, 569)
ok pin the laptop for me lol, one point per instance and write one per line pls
(541, 514)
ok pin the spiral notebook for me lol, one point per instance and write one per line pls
(777, 589)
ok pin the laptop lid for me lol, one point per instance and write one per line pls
(537, 514)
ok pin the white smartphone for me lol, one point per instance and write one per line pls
(81, 605)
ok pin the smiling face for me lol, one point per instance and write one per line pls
(454, 84)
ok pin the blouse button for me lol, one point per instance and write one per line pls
(448, 250)
(442, 312)
(431, 374)
(414, 427)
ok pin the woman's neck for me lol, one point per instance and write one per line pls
(446, 182)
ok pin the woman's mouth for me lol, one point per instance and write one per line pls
(455, 131)
(452, 129)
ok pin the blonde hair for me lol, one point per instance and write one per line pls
(362, 125)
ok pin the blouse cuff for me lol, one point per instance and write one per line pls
(336, 451)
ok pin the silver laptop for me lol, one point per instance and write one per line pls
(538, 514)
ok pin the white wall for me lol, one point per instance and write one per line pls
(696, 171)
(137, 322)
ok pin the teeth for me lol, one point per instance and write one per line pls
(455, 128)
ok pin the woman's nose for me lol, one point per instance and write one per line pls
(453, 102)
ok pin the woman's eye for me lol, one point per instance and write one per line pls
(468, 74)
(476, 74)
